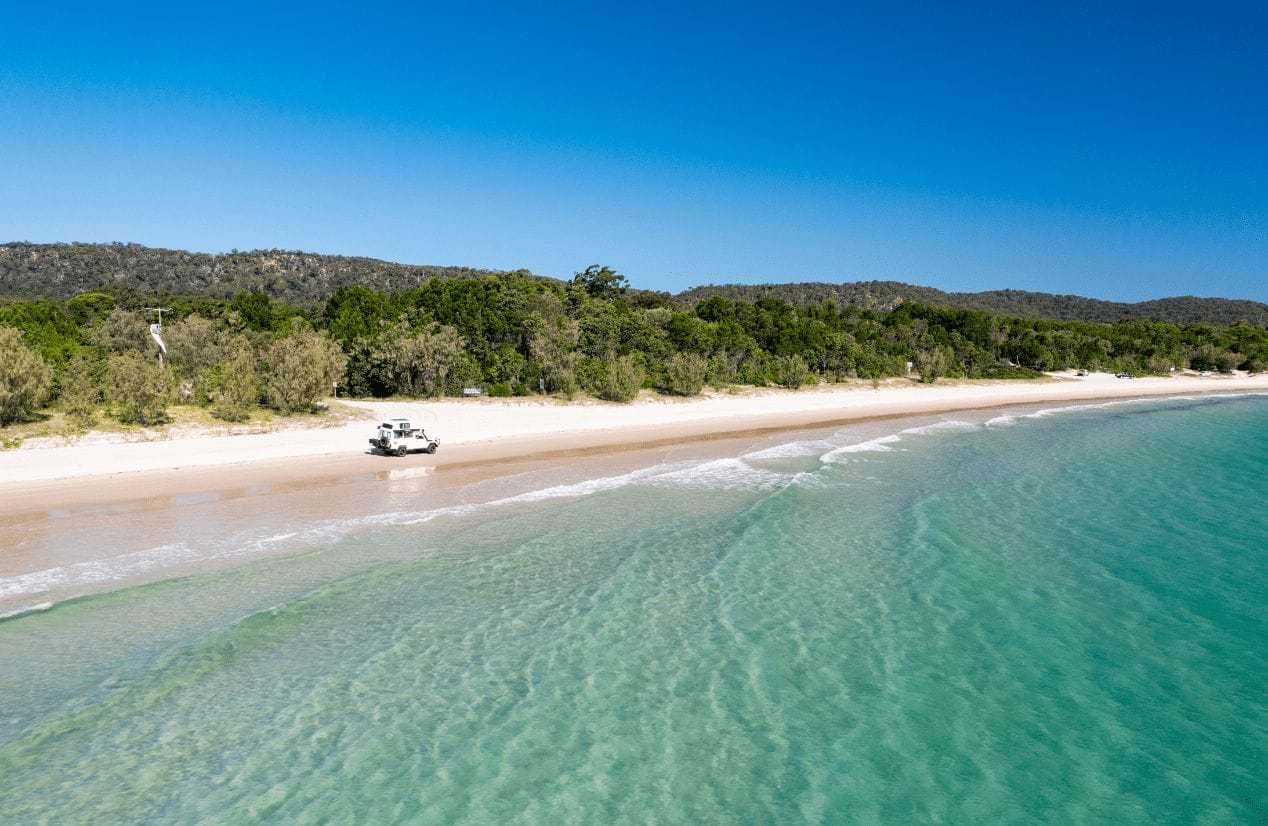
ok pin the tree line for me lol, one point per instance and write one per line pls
(30, 271)
(66, 270)
(515, 334)
(885, 295)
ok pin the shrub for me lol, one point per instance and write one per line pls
(624, 379)
(592, 374)
(427, 362)
(301, 369)
(756, 368)
(1003, 371)
(1227, 362)
(686, 373)
(233, 387)
(139, 387)
(24, 377)
(81, 392)
(792, 371)
(932, 364)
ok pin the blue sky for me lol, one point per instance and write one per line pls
(1118, 150)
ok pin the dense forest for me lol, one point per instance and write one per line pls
(518, 334)
(885, 295)
(65, 270)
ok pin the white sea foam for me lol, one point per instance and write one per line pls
(409, 472)
(882, 444)
(95, 571)
(587, 487)
(812, 479)
(937, 427)
(878, 445)
(722, 474)
(1074, 408)
(1009, 418)
(791, 450)
(139, 563)
(29, 609)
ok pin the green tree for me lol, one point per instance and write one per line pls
(90, 308)
(1227, 362)
(255, 309)
(356, 312)
(554, 345)
(601, 282)
(686, 373)
(46, 327)
(792, 371)
(300, 369)
(24, 377)
(932, 364)
(81, 391)
(195, 347)
(122, 331)
(139, 388)
(420, 362)
(624, 379)
(233, 388)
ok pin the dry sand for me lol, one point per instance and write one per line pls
(471, 431)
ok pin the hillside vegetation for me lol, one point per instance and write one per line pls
(66, 270)
(517, 334)
(885, 295)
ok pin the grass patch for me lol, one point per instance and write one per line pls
(181, 419)
(1003, 371)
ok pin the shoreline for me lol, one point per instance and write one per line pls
(73, 537)
(476, 433)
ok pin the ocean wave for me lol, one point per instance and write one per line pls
(880, 444)
(791, 450)
(1012, 418)
(96, 571)
(587, 487)
(172, 555)
(29, 609)
(936, 427)
(722, 474)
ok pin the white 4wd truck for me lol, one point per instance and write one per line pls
(396, 437)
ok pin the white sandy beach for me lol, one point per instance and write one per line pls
(476, 430)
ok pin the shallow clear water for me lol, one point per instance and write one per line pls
(1057, 617)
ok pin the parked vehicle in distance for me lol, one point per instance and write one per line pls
(396, 437)
(1080, 372)
(1124, 376)
(1204, 372)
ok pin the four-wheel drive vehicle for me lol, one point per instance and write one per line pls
(396, 437)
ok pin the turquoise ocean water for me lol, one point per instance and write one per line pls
(1043, 616)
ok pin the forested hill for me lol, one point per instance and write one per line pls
(885, 295)
(66, 270)
(300, 278)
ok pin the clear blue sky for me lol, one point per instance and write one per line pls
(1118, 150)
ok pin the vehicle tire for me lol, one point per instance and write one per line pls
(431, 449)
(401, 451)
